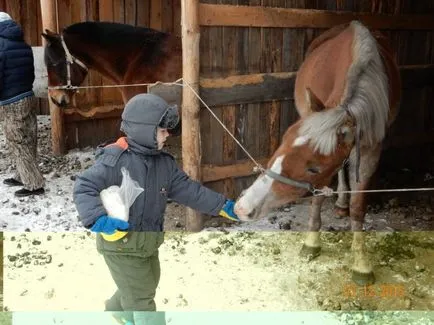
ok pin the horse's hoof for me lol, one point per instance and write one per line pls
(363, 279)
(341, 212)
(309, 252)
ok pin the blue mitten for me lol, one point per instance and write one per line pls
(228, 211)
(109, 225)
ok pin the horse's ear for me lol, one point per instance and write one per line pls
(347, 134)
(50, 33)
(313, 102)
(48, 38)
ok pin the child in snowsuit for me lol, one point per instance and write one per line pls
(133, 260)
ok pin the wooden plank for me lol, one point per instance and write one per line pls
(177, 17)
(63, 14)
(254, 88)
(257, 16)
(92, 132)
(211, 173)
(156, 21)
(268, 87)
(166, 16)
(119, 11)
(48, 10)
(143, 15)
(75, 10)
(231, 55)
(131, 12)
(190, 104)
(14, 10)
(106, 10)
(172, 94)
(97, 112)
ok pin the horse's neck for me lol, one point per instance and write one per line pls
(98, 59)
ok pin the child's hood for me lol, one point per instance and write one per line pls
(140, 118)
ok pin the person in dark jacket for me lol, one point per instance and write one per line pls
(17, 107)
(133, 259)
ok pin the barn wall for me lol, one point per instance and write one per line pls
(163, 15)
(227, 51)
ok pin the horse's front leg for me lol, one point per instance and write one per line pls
(362, 272)
(342, 203)
(312, 244)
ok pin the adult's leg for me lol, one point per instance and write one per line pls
(21, 133)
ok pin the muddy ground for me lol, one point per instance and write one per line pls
(225, 271)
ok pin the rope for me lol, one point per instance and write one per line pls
(327, 191)
(114, 86)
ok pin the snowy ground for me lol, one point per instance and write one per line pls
(215, 318)
(55, 211)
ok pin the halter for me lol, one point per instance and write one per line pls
(300, 184)
(289, 181)
(70, 59)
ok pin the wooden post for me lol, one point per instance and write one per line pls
(48, 13)
(191, 155)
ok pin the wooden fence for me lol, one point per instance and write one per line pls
(249, 53)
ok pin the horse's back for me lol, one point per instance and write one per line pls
(325, 67)
(328, 61)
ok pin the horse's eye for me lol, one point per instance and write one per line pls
(313, 170)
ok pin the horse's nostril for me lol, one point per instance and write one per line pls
(252, 214)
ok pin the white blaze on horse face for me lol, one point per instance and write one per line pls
(256, 193)
(300, 141)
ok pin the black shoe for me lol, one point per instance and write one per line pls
(12, 182)
(23, 192)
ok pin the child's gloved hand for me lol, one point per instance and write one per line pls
(228, 211)
(109, 225)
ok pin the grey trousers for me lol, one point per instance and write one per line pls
(20, 128)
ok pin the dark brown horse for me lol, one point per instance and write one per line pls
(122, 53)
(346, 90)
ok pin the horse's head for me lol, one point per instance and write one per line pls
(63, 69)
(311, 153)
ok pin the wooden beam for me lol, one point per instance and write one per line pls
(252, 88)
(211, 173)
(97, 112)
(258, 16)
(48, 12)
(242, 89)
(191, 156)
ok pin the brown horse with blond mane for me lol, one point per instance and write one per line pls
(347, 92)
